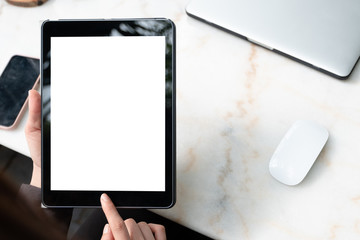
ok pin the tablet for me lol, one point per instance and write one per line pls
(108, 112)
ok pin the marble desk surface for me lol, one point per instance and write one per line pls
(235, 101)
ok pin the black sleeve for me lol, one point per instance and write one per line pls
(32, 195)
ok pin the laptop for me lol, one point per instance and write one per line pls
(323, 34)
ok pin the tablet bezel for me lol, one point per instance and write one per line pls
(133, 199)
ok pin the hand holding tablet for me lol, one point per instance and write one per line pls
(111, 230)
(108, 112)
(33, 135)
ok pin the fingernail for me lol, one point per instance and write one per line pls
(105, 197)
(106, 228)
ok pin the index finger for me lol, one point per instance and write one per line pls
(158, 230)
(117, 224)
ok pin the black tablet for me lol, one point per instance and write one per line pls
(108, 112)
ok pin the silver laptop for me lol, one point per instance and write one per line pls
(324, 34)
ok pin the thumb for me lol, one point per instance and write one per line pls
(33, 127)
(107, 234)
(34, 120)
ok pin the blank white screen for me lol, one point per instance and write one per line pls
(108, 113)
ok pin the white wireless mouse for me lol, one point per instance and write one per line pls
(297, 152)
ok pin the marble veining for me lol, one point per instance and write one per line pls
(235, 101)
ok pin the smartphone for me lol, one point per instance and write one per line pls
(20, 75)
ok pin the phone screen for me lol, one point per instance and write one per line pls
(17, 79)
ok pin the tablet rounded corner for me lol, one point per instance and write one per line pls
(173, 202)
(170, 22)
(44, 23)
(43, 204)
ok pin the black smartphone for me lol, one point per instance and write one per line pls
(20, 75)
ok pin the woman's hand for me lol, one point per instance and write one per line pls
(33, 135)
(119, 229)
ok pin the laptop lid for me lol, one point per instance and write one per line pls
(321, 33)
